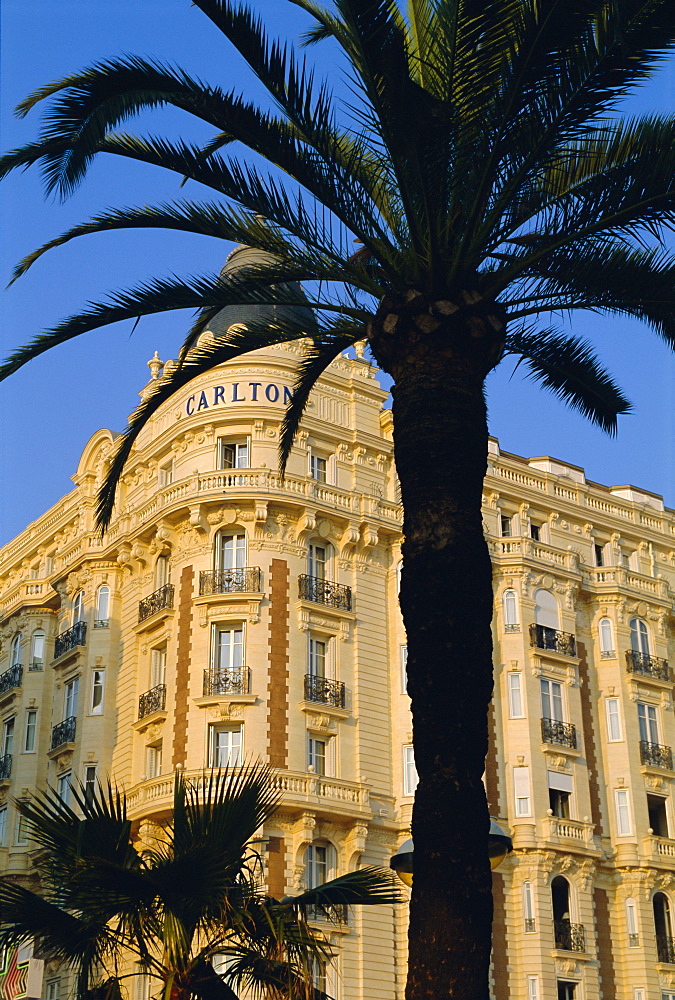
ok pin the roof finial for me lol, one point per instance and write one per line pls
(155, 365)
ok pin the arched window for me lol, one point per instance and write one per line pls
(562, 920)
(665, 946)
(78, 607)
(639, 636)
(606, 634)
(102, 607)
(546, 609)
(511, 618)
(632, 924)
(162, 572)
(37, 650)
(319, 560)
(15, 655)
(229, 551)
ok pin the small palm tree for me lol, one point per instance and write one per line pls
(476, 162)
(107, 903)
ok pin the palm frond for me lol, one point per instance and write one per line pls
(368, 886)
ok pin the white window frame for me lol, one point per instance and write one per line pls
(606, 638)
(165, 474)
(97, 684)
(53, 989)
(15, 655)
(37, 644)
(20, 830)
(522, 794)
(103, 603)
(505, 521)
(649, 724)
(90, 782)
(529, 920)
(319, 661)
(234, 753)
(30, 730)
(3, 825)
(410, 776)
(514, 685)
(64, 783)
(314, 562)
(533, 988)
(624, 819)
(158, 665)
(230, 551)
(318, 758)
(236, 648)
(78, 608)
(70, 697)
(8, 733)
(320, 863)
(241, 457)
(614, 725)
(404, 668)
(153, 760)
(640, 638)
(510, 611)
(555, 700)
(632, 924)
(162, 572)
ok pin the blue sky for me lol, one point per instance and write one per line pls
(50, 408)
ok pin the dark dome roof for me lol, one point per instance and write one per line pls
(241, 257)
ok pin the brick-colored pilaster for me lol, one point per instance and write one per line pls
(604, 941)
(589, 738)
(491, 769)
(277, 702)
(276, 867)
(500, 961)
(183, 657)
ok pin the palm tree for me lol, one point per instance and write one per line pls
(476, 164)
(194, 891)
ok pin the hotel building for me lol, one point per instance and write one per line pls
(228, 614)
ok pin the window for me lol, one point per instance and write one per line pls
(21, 830)
(319, 864)
(63, 783)
(410, 777)
(319, 976)
(663, 926)
(546, 609)
(141, 982)
(631, 924)
(511, 619)
(316, 665)
(53, 989)
(228, 647)
(623, 818)
(658, 818)
(78, 607)
(535, 532)
(70, 698)
(528, 908)
(153, 760)
(521, 790)
(514, 682)
(317, 561)
(15, 655)
(49, 564)
(97, 689)
(648, 723)
(90, 782)
(317, 468)
(606, 634)
(404, 669)
(165, 474)
(233, 454)
(230, 552)
(225, 746)
(3, 825)
(102, 607)
(505, 526)
(157, 666)
(37, 650)
(599, 552)
(639, 636)
(8, 736)
(613, 720)
(560, 794)
(532, 988)
(162, 572)
(551, 700)
(317, 753)
(30, 732)
(566, 990)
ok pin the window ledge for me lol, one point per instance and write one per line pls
(557, 750)
(320, 708)
(152, 621)
(140, 725)
(225, 699)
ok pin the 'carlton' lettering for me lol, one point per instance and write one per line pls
(199, 401)
(271, 388)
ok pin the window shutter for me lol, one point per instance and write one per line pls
(331, 471)
(309, 461)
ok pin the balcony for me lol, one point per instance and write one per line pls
(562, 734)
(245, 580)
(227, 680)
(569, 936)
(153, 700)
(333, 595)
(64, 732)
(6, 767)
(11, 678)
(334, 913)
(665, 948)
(543, 637)
(655, 755)
(650, 666)
(324, 691)
(72, 637)
(161, 599)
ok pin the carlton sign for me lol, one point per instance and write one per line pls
(237, 392)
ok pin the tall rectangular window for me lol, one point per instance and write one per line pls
(165, 474)
(233, 454)
(90, 782)
(21, 830)
(157, 666)
(70, 698)
(8, 737)
(532, 988)
(316, 563)
(410, 777)
(599, 555)
(317, 467)
(505, 526)
(228, 647)
(230, 552)
(632, 925)
(153, 760)
(317, 753)
(528, 908)
(226, 746)
(521, 791)
(316, 865)
(514, 682)
(535, 532)
(648, 723)
(551, 700)
(30, 734)
(97, 690)
(3, 825)
(623, 818)
(614, 733)
(404, 668)
(53, 989)
(63, 783)
(317, 657)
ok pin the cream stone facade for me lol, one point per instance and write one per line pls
(229, 615)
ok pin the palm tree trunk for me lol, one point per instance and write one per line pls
(446, 599)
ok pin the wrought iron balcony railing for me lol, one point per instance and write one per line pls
(246, 580)
(336, 913)
(227, 680)
(64, 732)
(563, 734)
(72, 637)
(651, 666)
(5, 767)
(333, 595)
(569, 936)
(161, 599)
(665, 949)
(11, 678)
(324, 691)
(543, 637)
(151, 701)
(656, 755)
